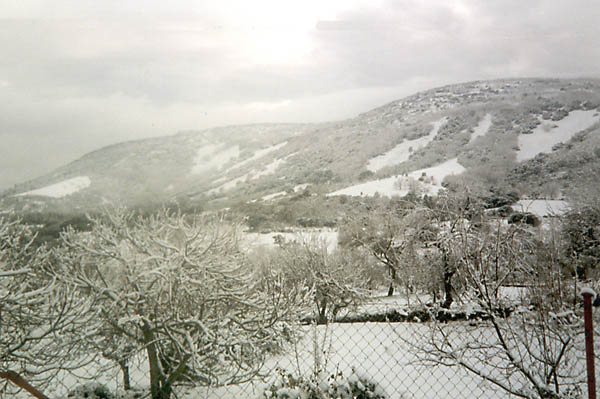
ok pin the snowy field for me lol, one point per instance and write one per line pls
(61, 189)
(329, 237)
(542, 208)
(550, 133)
(378, 352)
(402, 185)
(402, 151)
(383, 353)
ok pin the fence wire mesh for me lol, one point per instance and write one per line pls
(408, 358)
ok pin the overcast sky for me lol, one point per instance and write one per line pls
(78, 75)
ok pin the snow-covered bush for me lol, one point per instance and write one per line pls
(94, 390)
(317, 386)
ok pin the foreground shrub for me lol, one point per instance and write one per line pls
(316, 386)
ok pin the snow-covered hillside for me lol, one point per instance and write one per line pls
(483, 124)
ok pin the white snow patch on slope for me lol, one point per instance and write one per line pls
(296, 188)
(61, 189)
(269, 169)
(401, 153)
(258, 154)
(542, 208)
(482, 128)
(229, 185)
(274, 195)
(300, 187)
(431, 183)
(213, 156)
(550, 133)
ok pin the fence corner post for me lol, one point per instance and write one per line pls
(588, 294)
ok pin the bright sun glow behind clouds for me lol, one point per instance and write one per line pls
(275, 32)
(262, 32)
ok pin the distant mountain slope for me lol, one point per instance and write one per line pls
(531, 135)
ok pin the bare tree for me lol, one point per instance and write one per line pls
(384, 235)
(178, 288)
(527, 341)
(334, 280)
(41, 322)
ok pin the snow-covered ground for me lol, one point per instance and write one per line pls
(269, 169)
(213, 156)
(61, 189)
(382, 353)
(482, 128)
(258, 154)
(301, 187)
(401, 185)
(542, 208)
(401, 153)
(550, 133)
(274, 195)
(296, 189)
(252, 175)
(256, 240)
(378, 352)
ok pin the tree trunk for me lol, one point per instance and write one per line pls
(322, 313)
(392, 278)
(158, 390)
(448, 273)
(125, 369)
(448, 290)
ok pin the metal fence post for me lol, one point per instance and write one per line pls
(588, 294)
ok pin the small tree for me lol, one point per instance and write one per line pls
(179, 289)
(392, 235)
(581, 229)
(41, 322)
(335, 280)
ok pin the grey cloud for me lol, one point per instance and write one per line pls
(408, 39)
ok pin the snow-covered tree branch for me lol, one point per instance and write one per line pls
(177, 288)
(41, 321)
(527, 341)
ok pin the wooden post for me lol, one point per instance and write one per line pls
(20, 382)
(588, 294)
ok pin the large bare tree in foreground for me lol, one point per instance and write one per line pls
(178, 288)
(41, 321)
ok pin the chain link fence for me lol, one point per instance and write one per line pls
(409, 357)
